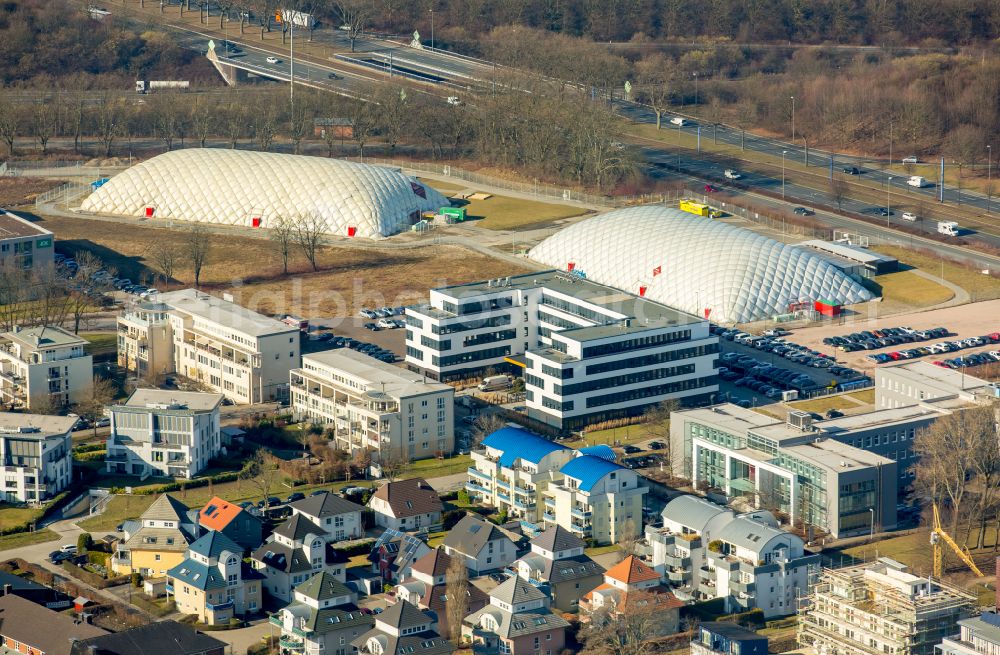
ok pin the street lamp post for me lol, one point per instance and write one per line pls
(888, 184)
(989, 176)
(432, 29)
(783, 153)
(871, 529)
(793, 119)
(695, 88)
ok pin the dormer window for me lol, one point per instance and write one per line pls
(231, 561)
(317, 544)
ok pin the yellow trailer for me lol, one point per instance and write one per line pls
(696, 208)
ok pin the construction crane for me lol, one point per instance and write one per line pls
(937, 536)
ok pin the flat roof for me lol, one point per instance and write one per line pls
(184, 400)
(944, 379)
(14, 226)
(44, 336)
(11, 424)
(847, 251)
(375, 373)
(834, 455)
(211, 308)
(626, 312)
(729, 417)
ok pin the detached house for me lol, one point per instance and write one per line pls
(233, 521)
(394, 553)
(481, 544)
(403, 629)
(407, 505)
(633, 586)
(339, 518)
(158, 541)
(557, 559)
(318, 622)
(427, 586)
(214, 583)
(516, 622)
(298, 550)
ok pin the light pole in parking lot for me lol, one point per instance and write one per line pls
(888, 184)
(783, 153)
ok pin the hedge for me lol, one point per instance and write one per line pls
(356, 547)
(51, 507)
(89, 447)
(92, 579)
(231, 476)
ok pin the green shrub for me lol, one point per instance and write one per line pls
(136, 579)
(463, 497)
(356, 547)
(715, 546)
(84, 542)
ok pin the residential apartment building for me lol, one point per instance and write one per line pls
(918, 381)
(402, 628)
(880, 607)
(32, 629)
(164, 433)
(36, 451)
(222, 346)
(977, 635)
(298, 550)
(427, 587)
(517, 621)
(244, 528)
(557, 560)
(158, 541)
(407, 505)
(513, 468)
(588, 352)
(214, 583)
(374, 405)
(596, 499)
(752, 564)
(23, 244)
(724, 638)
(629, 587)
(44, 367)
(804, 473)
(339, 518)
(144, 340)
(166, 637)
(315, 623)
(482, 545)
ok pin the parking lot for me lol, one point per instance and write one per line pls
(759, 371)
(935, 344)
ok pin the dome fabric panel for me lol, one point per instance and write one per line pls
(235, 187)
(696, 264)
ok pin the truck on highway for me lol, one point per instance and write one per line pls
(732, 175)
(917, 181)
(948, 227)
(296, 18)
(147, 86)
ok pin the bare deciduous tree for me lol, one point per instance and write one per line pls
(164, 257)
(456, 606)
(838, 191)
(198, 246)
(282, 233)
(309, 231)
(654, 74)
(260, 471)
(627, 627)
(354, 15)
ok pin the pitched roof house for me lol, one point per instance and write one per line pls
(161, 638)
(164, 532)
(297, 550)
(517, 621)
(427, 587)
(339, 517)
(482, 545)
(402, 628)
(557, 558)
(233, 521)
(406, 505)
(630, 586)
(27, 627)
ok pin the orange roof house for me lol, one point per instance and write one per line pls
(234, 521)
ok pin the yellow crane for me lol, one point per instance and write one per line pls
(937, 536)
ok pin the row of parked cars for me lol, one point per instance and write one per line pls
(799, 354)
(370, 349)
(882, 338)
(385, 324)
(382, 312)
(975, 359)
(762, 377)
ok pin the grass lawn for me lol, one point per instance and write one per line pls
(624, 435)
(914, 550)
(505, 212)
(908, 288)
(101, 343)
(969, 279)
(250, 268)
(823, 404)
(27, 539)
(435, 539)
(11, 516)
(436, 468)
(600, 550)
(865, 396)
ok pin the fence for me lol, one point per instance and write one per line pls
(61, 195)
(54, 168)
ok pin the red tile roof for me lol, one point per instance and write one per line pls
(632, 570)
(217, 514)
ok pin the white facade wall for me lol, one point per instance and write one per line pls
(605, 514)
(49, 472)
(139, 438)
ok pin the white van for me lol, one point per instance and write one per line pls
(678, 121)
(917, 181)
(948, 227)
(495, 383)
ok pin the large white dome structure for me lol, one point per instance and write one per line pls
(698, 265)
(254, 189)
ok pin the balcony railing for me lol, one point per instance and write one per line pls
(291, 643)
(742, 587)
(170, 588)
(219, 606)
(579, 513)
(503, 484)
(678, 561)
(476, 488)
(548, 516)
(473, 471)
(550, 502)
(522, 505)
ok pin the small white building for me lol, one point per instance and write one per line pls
(164, 433)
(36, 451)
(406, 505)
(338, 517)
(372, 405)
(44, 366)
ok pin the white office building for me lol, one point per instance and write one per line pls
(44, 366)
(36, 451)
(224, 347)
(164, 433)
(588, 352)
(374, 405)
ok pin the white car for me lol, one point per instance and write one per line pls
(909, 216)
(995, 354)
(273, 60)
(678, 121)
(68, 548)
(453, 100)
(386, 323)
(367, 313)
(912, 159)
(732, 175)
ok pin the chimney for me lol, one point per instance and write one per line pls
(7, 589)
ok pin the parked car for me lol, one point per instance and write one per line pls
(912, 159)
(372, 326)
(68, 548)
(630, 449)
(367, 313)
(657, 445)
(295, 496)
(909, 216)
